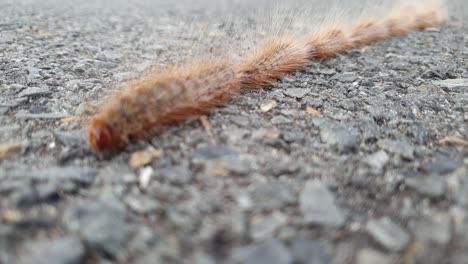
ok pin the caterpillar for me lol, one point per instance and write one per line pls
(181, 92)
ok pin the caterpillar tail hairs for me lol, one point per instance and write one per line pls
(181, 92)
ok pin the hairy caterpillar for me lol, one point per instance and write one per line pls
(180, 92)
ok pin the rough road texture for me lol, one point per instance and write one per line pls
(339, 163)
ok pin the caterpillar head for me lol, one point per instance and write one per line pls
(103, 137)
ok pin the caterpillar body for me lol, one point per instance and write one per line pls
(181, 92)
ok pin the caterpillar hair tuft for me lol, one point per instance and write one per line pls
(181, 92)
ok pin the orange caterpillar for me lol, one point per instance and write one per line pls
(179, 93)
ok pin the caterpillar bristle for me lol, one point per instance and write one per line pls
(272, 61)
(182, 92)
(171, 96)
(329, 43)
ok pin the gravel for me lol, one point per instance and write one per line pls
(355, 159)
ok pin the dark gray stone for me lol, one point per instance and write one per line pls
(142, 204)
(457, 185)
(105, 65)
(80, 67)
(315, 103)
(10, 128)
(241, 165)
(74, 85)
(294, 136)
(13, 103)
(65, 250)
(382, 115)
(181, 218)
(240, 121)
(369, 131)
(80, 175)
(40, 193)
(34, 92)
(9, 240)
(102, 224)
(176, 175)
(26, 115)
(342, 138)
(401, 148)
(309, 252)
(441, 166)
(71, 138)
(371, 256)
(269, 252)
(451, 84)
(458, 258)
(144, 239)
(281, 120)
(283, 166)
(200, 257)
(420, 133)
(378, 160)
(318, 206)
(344, 77)
(431, 186)
(335, 133)
(272, 195)
(388, 234)
(84, 109)
(264, 226)
(435, 228)
(298, 93)
(213, 152)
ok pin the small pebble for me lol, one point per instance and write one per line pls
(142, 158)
(401, 148)
(388, 234)
(34, 91)
(318, 206)
(268, 252)
(378, 160)
(144, 177)
(65, 250)
(371, 256)
(451, 83)
(430, 186)
(267, 106)
(272, 195)
(344, 77)
(8, 149)
(297, 93)
(281, 120)
(312, 111)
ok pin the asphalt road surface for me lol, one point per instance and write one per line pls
(358, 159)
